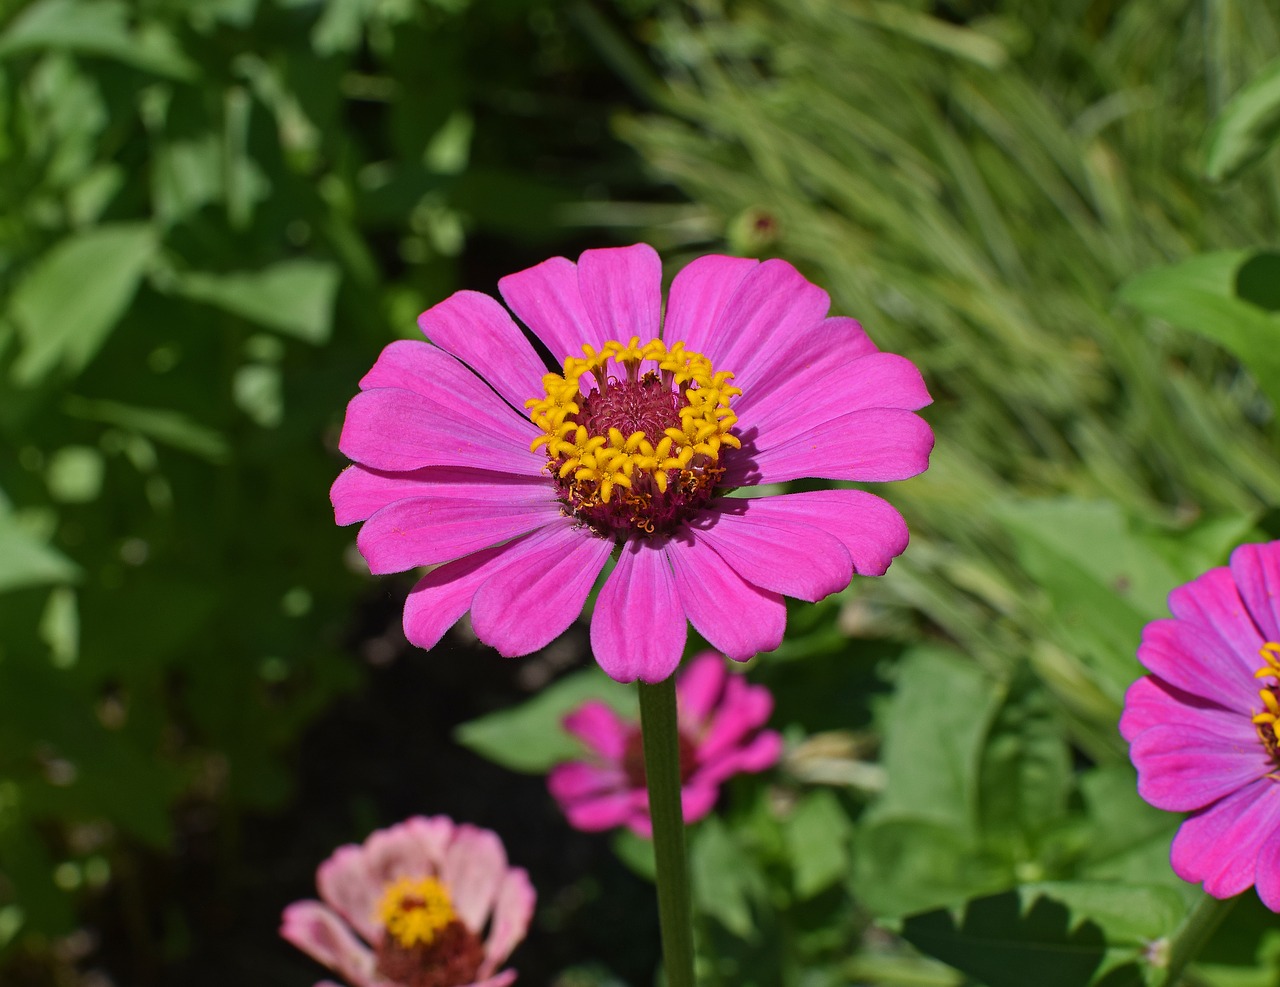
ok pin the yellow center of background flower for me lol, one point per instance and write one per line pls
(415, 910)
(655, 433)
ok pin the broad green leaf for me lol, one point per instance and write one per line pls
(530, 737)
(725, 881)
(67, 304)
(27, 561)
(1025, 772)
(935, 727)
(96, 27)
(1247, 127)
(294, 297)
(817, 838)
(1258, 280)
(1178, 295)
(904, 865)
(1052, 935)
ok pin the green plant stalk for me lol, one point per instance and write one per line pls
(1195, 931)
(662, 774)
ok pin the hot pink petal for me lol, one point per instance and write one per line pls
(622, 291)
(743, 709)
(512, 912)
(546, 299)
(1268, 871)
(1192, 657)
(595, 815)
(397, 430)
(320, 934)
(1212, 602)
(780, 555)
(518, 613)
(1220, 844)
(474, 866)
(881, 380)
(480, 333)
(697, 800)
(1181, 769)
(874, 445)
(772, 304)
(836, 343)
(359, 493)
(699, 296)
(870, 529)
(350, 890)
(734, 616)
(761, 753)
(440, 598)
(428, 530)
(600, 729)
(699, 687)
(1256, 571)
(638, 628)
(1153, 702)
(577, 781)
(416, 366)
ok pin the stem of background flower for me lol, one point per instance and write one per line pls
(662, 772)
(1196, 928)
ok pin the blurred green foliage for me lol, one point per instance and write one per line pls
(212, 215)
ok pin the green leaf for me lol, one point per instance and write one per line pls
(68, 303)
(636, 852)
(1052, 935)
(530, 737)
(817, 837)
(1025, 773)
(935, 727)
(99, 27)
(1247, 127)
(1191, 296)
(294, 297)
(27, 561)
(904, 865)
(725, 881)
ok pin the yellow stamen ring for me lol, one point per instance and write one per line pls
(1267, 720)
(415, 910)
(594, 458)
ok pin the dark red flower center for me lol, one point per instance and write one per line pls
(635, 453)
(633, 758)
(451, 959)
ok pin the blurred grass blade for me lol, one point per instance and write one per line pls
(1247, 127)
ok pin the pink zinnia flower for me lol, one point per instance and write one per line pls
(524, 483)
(720, 716)
(1202, 726)
(410, 905)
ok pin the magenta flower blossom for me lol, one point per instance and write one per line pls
(520, 484)
(409, 907)
(1202, 727)
(720, 716)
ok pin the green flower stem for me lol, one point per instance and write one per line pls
(1196, 928)
(662, 772)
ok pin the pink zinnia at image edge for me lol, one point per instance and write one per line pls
(720, 716)
(448, 470)
(1202, 725)
(370, 920)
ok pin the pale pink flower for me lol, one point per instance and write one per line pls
(524, 483)
(1202, 727)
(424, 903)
(720, 717)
